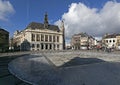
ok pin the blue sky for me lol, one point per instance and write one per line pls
(25, 11)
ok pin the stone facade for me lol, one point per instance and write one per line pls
(4, 40)
(38, 36)
(75, 41)
(82, 41)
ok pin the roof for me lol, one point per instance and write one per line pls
(35, 25)
(111, 36)
(3, 30)
(82, 34)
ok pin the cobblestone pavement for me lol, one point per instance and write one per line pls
(60, 58)
(6, 78)
(68, 68)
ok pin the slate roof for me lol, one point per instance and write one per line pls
(82, 34)
(3, 30)
(111, 36)
(35, 25)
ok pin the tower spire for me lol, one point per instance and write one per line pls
(62, 25)
(46, 20)
(63, 33)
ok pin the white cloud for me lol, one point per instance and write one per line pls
(6, 8)
(93, 21)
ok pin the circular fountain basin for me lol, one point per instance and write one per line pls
(68, 69)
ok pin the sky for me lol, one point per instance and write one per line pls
(95, 17)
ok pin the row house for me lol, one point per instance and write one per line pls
(82, 41)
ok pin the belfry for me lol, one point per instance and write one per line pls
(46, 21)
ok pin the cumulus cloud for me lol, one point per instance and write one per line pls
(6, 8)
(94, 21)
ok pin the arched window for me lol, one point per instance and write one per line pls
(42, 46)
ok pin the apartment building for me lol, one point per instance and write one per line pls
(82, 41)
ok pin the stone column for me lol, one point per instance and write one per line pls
(40, 46)
(40, 37)
(35, 38)
(48, 46)
(52, 46)
(48, 38)
(55, 46)
(44, 38)
(52, 39)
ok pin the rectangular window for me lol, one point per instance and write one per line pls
(38, 37)
(50, 38)
(57, 38)
(42, 37)
(53, 38)
(42, 46)
(6, 36)
(46, 46)
(46, 38)
(57, 46)
(33, 37)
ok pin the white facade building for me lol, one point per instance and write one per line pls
(111, 42)
(38, 36)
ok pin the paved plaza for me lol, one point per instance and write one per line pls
(6, 78)
(68, 68)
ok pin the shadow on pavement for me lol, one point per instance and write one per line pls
(81, 61)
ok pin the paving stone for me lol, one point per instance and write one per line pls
(77, 72)
(69, 68)
(5, 77)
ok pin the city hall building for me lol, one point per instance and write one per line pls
(40, 36)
